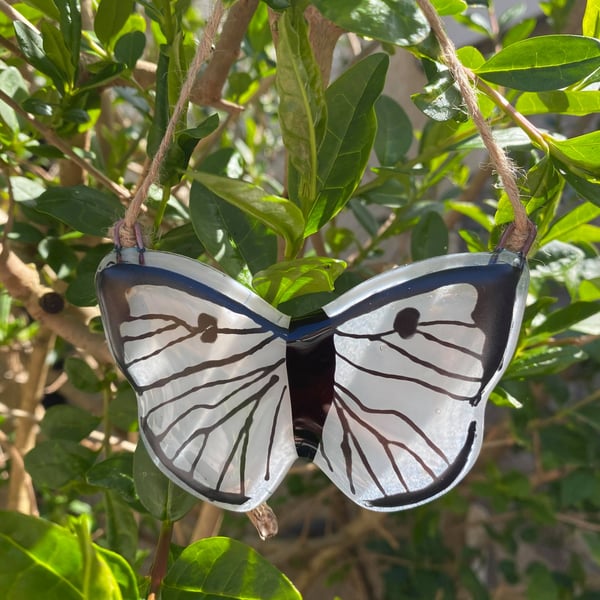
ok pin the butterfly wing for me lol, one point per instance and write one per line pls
(206, 358)
(416, 356)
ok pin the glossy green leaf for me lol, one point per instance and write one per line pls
(204, 571)
(12, 84)
(281, 215)
(32, 46)
(110, 18)
(559, 101)
(474, 212)
(441, 100)
(83, 208)
(41, 559)
(56, 50)
(591, 19)
(449, 7)
(289, 279)
(543, 63)
(567, 227)
(580, 152)
(70, 27)
(66, 422)
(302, 108)
(429, 237)
(81, 375)
(115, 474)
(586, 186)
(562, 320)
(397, 22)
(351, 129)
(160, 496)
(130, 47)
(211, 229)
(228, 226)
(56, 463)
(179, 153)
(544, 360)
(394, 131)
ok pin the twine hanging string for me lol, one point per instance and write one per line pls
(127, 231)
(522, 231)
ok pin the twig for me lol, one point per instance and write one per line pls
(53, 139)
(128, 238)
(498, 157)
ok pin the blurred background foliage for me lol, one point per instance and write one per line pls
(293, 109)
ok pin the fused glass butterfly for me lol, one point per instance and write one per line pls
(384, 388)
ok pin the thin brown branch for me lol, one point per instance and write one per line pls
(65, 148)
(23, 283)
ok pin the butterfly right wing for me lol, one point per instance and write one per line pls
(206, 358)
(417, 353)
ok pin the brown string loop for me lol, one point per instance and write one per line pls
(520, 233)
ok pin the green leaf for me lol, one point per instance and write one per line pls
(351, 129)
(115, 474)
(70, 28)
(161, 115)
(130, 47)
(559, 102)
(182, 240)
(32, 46)
(540, 583)
(580, 152)
(397, 22)
(60, 257)
(179, 153)
(110, 18)
(302, 108)
(205, 570)
(81, 375)
(212, 231)
(579, 487)
(563, 319)
(441, 100)
(281, 215)
(538, 64)
(82, 289)
(591, 19)
(163, 499)
(83, 208)
(567, 228)
(449, 7)
(121, 527)
(586, 186)
(66, 422)
(41, 559)
(56, 463)
(544, 360)
(429, 237)
(12, 84)
(289, 279)
(394, 131)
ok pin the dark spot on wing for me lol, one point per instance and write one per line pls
(406, 322)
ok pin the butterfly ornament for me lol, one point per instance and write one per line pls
(384, 388)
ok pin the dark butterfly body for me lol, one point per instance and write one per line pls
(384, 388)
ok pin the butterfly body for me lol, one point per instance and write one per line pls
(384, 388)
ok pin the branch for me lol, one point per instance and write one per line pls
(23, 283)
(65, 148)
(208, 89)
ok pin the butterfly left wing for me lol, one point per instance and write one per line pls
(416, 356)
(206, 358)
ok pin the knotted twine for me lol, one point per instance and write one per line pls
(521, 233)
